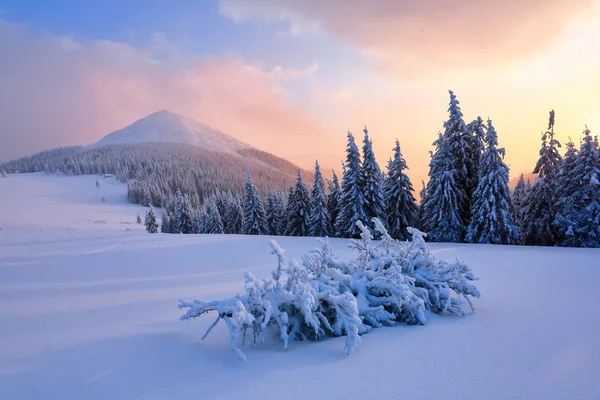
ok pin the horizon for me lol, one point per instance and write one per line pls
(76, 73)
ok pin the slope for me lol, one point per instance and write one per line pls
(95, 317)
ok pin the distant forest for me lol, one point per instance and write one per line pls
(467, 197)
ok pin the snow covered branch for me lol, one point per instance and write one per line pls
(388, 282)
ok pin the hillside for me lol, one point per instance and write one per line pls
(92, 313)
(166, 152)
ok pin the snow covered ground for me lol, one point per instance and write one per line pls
(88, 311)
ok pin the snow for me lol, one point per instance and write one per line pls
(165, 126)
(88, 310)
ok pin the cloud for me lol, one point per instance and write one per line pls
(58, 91)
(434, 33)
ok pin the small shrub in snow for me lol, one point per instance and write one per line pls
(388, 282)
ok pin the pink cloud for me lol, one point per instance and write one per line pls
(57, 91)
(413, 34)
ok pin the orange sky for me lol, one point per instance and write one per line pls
(509, 61)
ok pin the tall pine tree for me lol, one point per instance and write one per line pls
(320, 221)
(568, 201)
(254, 213)
(402, 209)
(352, 202)
(578, 216)
(299, 206)
(151, 225)
(492, 218)
(541, 212)
(373, 182)
(519, 199)
(333, 201)
(441, 213)
(215, 224)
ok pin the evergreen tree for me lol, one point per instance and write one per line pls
(151, 225)
(333, 201)
(299, 223)
(186, 223)
(320, 221)
(476, 149)
(519, 199)
(459, 141)
(178, 212)
(372, 189)
(165, 224)
(138, 219)
(203, 219)
(567, 197)
(289, 210)
(402, 209)
(580, 222)
(541, 212)
(492, 219)
(352, 202)
(215, 224)
(235, 216)
(273, 213)
(254, 213)
(441, 217)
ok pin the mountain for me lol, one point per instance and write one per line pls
(165, 152)
(167, 127)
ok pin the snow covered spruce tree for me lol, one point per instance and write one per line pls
(567, 193)
(373, 182)
(446, 211)
(519, 199)
(492, 212)
(320, 221)
(540, 212)
(299, 210)
(476, 149)
(440, 214)
(274, 213)
(234, 215)
(254, 213)
(185, 215)
(138, 219)
(402, 210)
(151, 225)
(352, 202)
(165, 223)
(333, 201)
(214, 224)
(578, 216)
(387, 282)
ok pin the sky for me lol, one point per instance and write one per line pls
(293, 76)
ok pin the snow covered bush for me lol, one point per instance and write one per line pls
(388, 282)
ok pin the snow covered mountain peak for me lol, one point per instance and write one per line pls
(167, 127)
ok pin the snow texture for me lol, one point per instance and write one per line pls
(87, 312)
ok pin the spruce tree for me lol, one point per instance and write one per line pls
(476, 149)
(235, 216)
(273, 213)
(352, 202)
(186, 216)
(373, 182)
(568, 200)
(492, 213)
(459, 141)
(289, 210)
(178, 212)
(333, 201)
(203, 219)
(540, 211)
(441, 213)
(519, 199)
(151, 225)
(165, 223)
(214, 224)
(299, 223)
(581, 222)
(402, 209)
(254, 213)
(320, 220)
